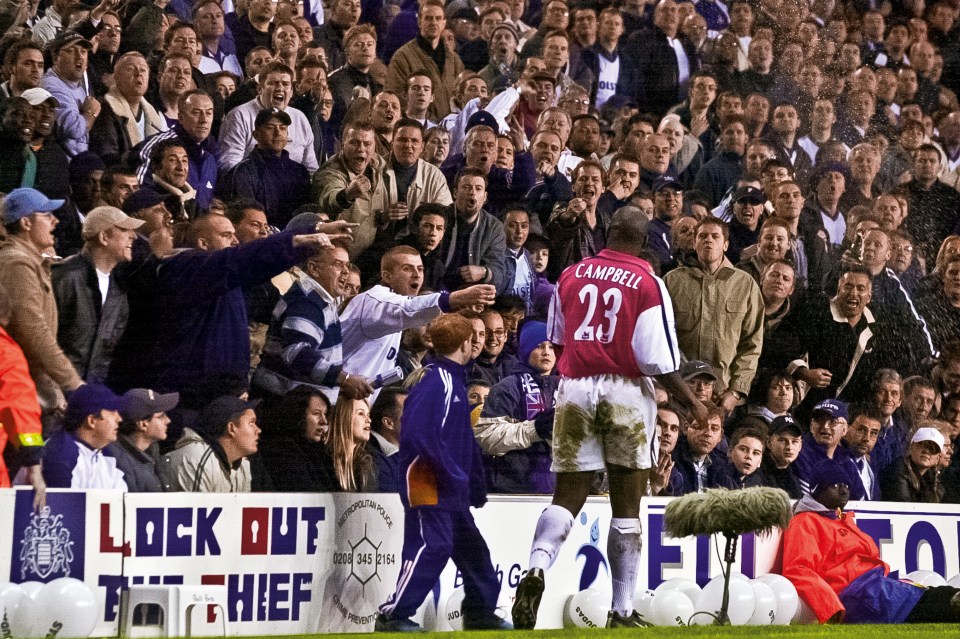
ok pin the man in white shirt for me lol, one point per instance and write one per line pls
(236, 132)
(374, 320)
(92, 319)
(75, 457)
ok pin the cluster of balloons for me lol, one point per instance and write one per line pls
(65, 608)
(931, 579)
(764, 601)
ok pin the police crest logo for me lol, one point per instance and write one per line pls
(46, 547)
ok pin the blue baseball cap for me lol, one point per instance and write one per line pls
(484, 118)
(827, 473)
(666, 182)
(21, 203)
(89, 399)
(832, 407)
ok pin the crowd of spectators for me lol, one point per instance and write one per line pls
(228, 225)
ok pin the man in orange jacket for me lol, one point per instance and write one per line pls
(837, 569)
(20, 416)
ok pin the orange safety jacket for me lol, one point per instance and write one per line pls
(19, 407)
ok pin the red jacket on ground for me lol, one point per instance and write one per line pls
(823, 555)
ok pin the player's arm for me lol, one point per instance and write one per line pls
(655, 347)
(675, 385)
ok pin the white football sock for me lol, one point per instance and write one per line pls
(552, 529)
(623, 553)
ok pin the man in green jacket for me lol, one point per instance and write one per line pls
(719, 312)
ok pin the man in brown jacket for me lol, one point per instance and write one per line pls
(429, 53)
(25, 269)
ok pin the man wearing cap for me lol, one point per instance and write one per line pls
(269, 175)
(214, 457)
(93, 309)
(915, 476)
(65, 80)
(137, 450)
(503, 54)
(784, 444)
(127, 118)
(53, 163)
(700, 378)
(828, 426)
(29, 222)
(156, 234)
(861, 438)
(745, 224)
(667, 209)
(837, 570)
(77, 456)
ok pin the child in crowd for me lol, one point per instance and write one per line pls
(745, 453)
(783, 447)
(477, 392)
(516, 424)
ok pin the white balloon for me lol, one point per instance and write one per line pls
(927, 578)
(805, 615)
(787, 599)
(31, 588)
(588, 608)
(66, 608)
(765, 610)
(643, 603)
(671, 608)
(22, 618)
(687, 586)
(451, 617)
(954, 581)
(10, 596)
(741, 601)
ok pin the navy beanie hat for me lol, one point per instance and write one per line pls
(532, 334)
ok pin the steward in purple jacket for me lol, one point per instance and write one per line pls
(440, 461)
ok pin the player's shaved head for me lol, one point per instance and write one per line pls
(628, 230)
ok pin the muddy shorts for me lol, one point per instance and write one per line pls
(607, 419)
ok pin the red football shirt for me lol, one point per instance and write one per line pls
(612, 315)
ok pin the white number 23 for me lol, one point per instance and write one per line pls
(599, 327)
